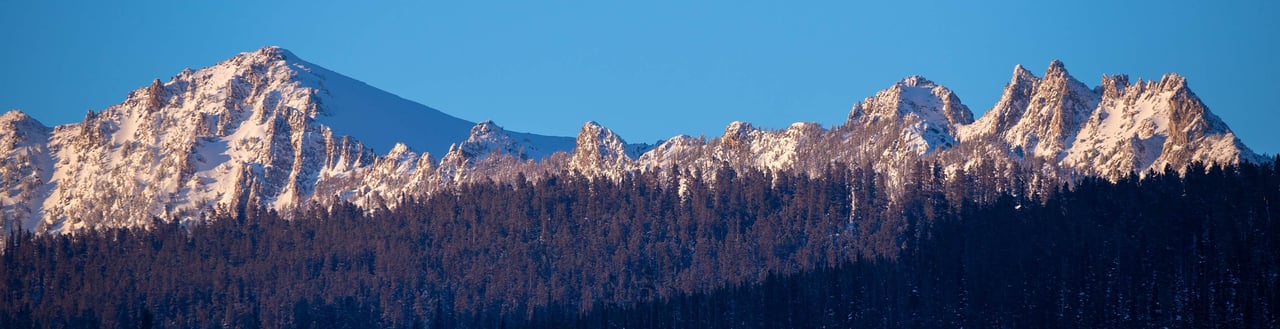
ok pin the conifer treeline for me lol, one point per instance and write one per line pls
(1162, 252)
(747, 249)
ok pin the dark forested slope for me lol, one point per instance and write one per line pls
(747, 249)
(1163, 252)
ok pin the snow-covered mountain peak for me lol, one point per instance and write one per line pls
(1056, 67)
(593, 134)
(15, 116)
(592, 127)
(928, 114)
(601, 152)
(1008, 110)
(491, 145)
(1172, 81)
(1022, 78)
(1148, 125)
(488, 138)
(17, 130)
(914, 96)
(346, 106)
(25, 166)
(738, 130)
(266, 128)
(1058, 80)
(398, 150)
(739, 134)
(486, 127)
(1052, 115)
(263, 127)
(1118, 79)
(267, 55)
(1113, 85)
(915, 81)
(802, 126)
(287, 83)
(273, 53)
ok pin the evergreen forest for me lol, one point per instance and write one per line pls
(721, 249)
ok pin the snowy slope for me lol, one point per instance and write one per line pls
(491, 151)
(380, 119)
(266, 128)
(932, 113)
(25, 166)
(261, 128)
(487, 138)
(1057, 108)
(910, 119)
(1150, 125)
(601, 152)
(1007, 111)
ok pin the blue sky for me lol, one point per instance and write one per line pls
(653, 69)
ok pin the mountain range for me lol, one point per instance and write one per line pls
(266, 128)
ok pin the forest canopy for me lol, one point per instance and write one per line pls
(718, 249)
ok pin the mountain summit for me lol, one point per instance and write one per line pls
(267, 129)
(263, 128)
(273, 78)
(1109, 131)
(932, 112)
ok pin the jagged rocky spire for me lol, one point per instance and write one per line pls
(270, 129)
(929, 114)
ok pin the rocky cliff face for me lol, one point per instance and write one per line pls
(931, 113)
(1037, 117)
(600, 152)
(262, 128)
(267, 129)
(244, 130)
(1109, 131)
(25, 168)
(1148, 126)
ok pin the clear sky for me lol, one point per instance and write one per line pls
(649, 69)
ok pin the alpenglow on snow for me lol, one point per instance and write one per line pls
(268, 129)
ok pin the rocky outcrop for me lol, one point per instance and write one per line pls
(267, 129)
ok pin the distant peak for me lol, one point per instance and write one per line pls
(1122, 79)
(800, 125)
(916, 81)
(1173, 81)
(594, 130)
(593, 133)
(274, 52)
(1021, 75)
(1113, 85)
(592, 125)
(485, 127)
(268, 54)
(398, 149)
(1056, 64)
(17, 116)
(14, 114)
(1056, 69)
(738, 128)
